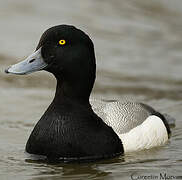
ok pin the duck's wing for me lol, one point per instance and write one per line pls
(170, 120)
(138, 125)
(123, 116)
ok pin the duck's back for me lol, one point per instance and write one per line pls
(124, 116)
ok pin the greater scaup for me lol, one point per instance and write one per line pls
(69, 129)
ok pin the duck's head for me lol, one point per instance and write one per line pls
(66, 52)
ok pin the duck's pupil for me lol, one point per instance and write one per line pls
(62, 42)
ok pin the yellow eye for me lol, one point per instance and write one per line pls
(62, 42)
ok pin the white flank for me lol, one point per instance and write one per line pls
(151, 133)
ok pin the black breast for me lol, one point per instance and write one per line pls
(71, 130)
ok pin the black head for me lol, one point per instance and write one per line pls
(70, 56)
(68, 53)
(67, 50)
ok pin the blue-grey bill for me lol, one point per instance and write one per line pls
(32, 63)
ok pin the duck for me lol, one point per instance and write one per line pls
(73, 127)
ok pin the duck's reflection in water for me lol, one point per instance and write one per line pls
(72, 170)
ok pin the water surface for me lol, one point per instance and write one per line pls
(138, 48)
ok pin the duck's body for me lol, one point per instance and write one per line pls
(69, 128)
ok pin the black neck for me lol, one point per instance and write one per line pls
(76, 88)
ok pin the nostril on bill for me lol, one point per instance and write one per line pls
(32, 60)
